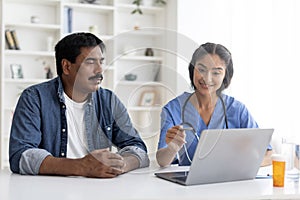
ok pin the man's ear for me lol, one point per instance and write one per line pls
(66, 66)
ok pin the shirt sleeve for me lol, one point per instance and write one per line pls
(166, 123)
(25, 133)
(247, 121)
(140, 154)
(31, 160)
(170, 116)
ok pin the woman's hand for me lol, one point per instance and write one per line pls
(175, 138)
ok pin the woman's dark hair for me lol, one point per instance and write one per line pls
(69, 47)
(222, 52)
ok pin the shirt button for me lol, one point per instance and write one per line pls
(63, 130)
(108, 128)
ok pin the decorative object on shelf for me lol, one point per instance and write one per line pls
(138, 3)
(160, 2)
(49, 73)
(149, 52)
(130, 77)
(47, 68)
(93, 29)
(136, 26)
(147, 98)
(88, 1)
(16, 71)
(97, 2)
(137, 9)
(34, 19)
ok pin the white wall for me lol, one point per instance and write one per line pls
(263, 37)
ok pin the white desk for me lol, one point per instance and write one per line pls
(138, 184)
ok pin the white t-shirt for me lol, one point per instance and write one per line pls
(77, 144)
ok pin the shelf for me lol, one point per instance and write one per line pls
(25, 81)
(141, 58)
(90, 7)
(154, 32)
(54, 27)
(28, 53)
(43, 2)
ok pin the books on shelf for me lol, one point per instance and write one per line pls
(14, 36)
(11, 39)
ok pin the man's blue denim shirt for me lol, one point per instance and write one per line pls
(39, 127)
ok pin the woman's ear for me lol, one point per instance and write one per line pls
(66, 65)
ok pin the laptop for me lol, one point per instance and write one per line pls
(224, 155)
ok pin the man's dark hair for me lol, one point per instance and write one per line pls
(69, 47)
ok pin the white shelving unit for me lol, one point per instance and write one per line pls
(33, 55)
(126, 37)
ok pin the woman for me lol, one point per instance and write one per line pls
(184, 117)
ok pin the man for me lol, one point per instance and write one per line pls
(66, 126)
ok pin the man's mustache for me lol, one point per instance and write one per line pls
(97, 76)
